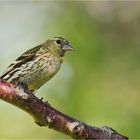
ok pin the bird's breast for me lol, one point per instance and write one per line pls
(47, 68)
(50, 65)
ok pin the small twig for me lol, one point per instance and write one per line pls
(45, 115)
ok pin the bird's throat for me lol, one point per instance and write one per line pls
(62, 52)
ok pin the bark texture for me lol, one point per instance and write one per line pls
(45, 115)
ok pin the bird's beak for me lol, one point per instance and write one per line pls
(67, 48)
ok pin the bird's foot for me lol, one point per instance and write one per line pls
(24, 87)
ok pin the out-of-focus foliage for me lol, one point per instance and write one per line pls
(98, 82)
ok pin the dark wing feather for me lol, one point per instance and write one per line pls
(29, 52)
(24, 58)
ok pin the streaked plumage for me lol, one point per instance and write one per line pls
(39, 64)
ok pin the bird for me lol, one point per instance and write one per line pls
(38, 65)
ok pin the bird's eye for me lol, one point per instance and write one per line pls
(58, 41)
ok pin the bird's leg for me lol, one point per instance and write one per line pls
(23, 86)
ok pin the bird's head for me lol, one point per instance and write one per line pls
(58, 45)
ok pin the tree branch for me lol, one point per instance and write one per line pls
(45, 115)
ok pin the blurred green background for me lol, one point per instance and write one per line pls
(98, 83)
